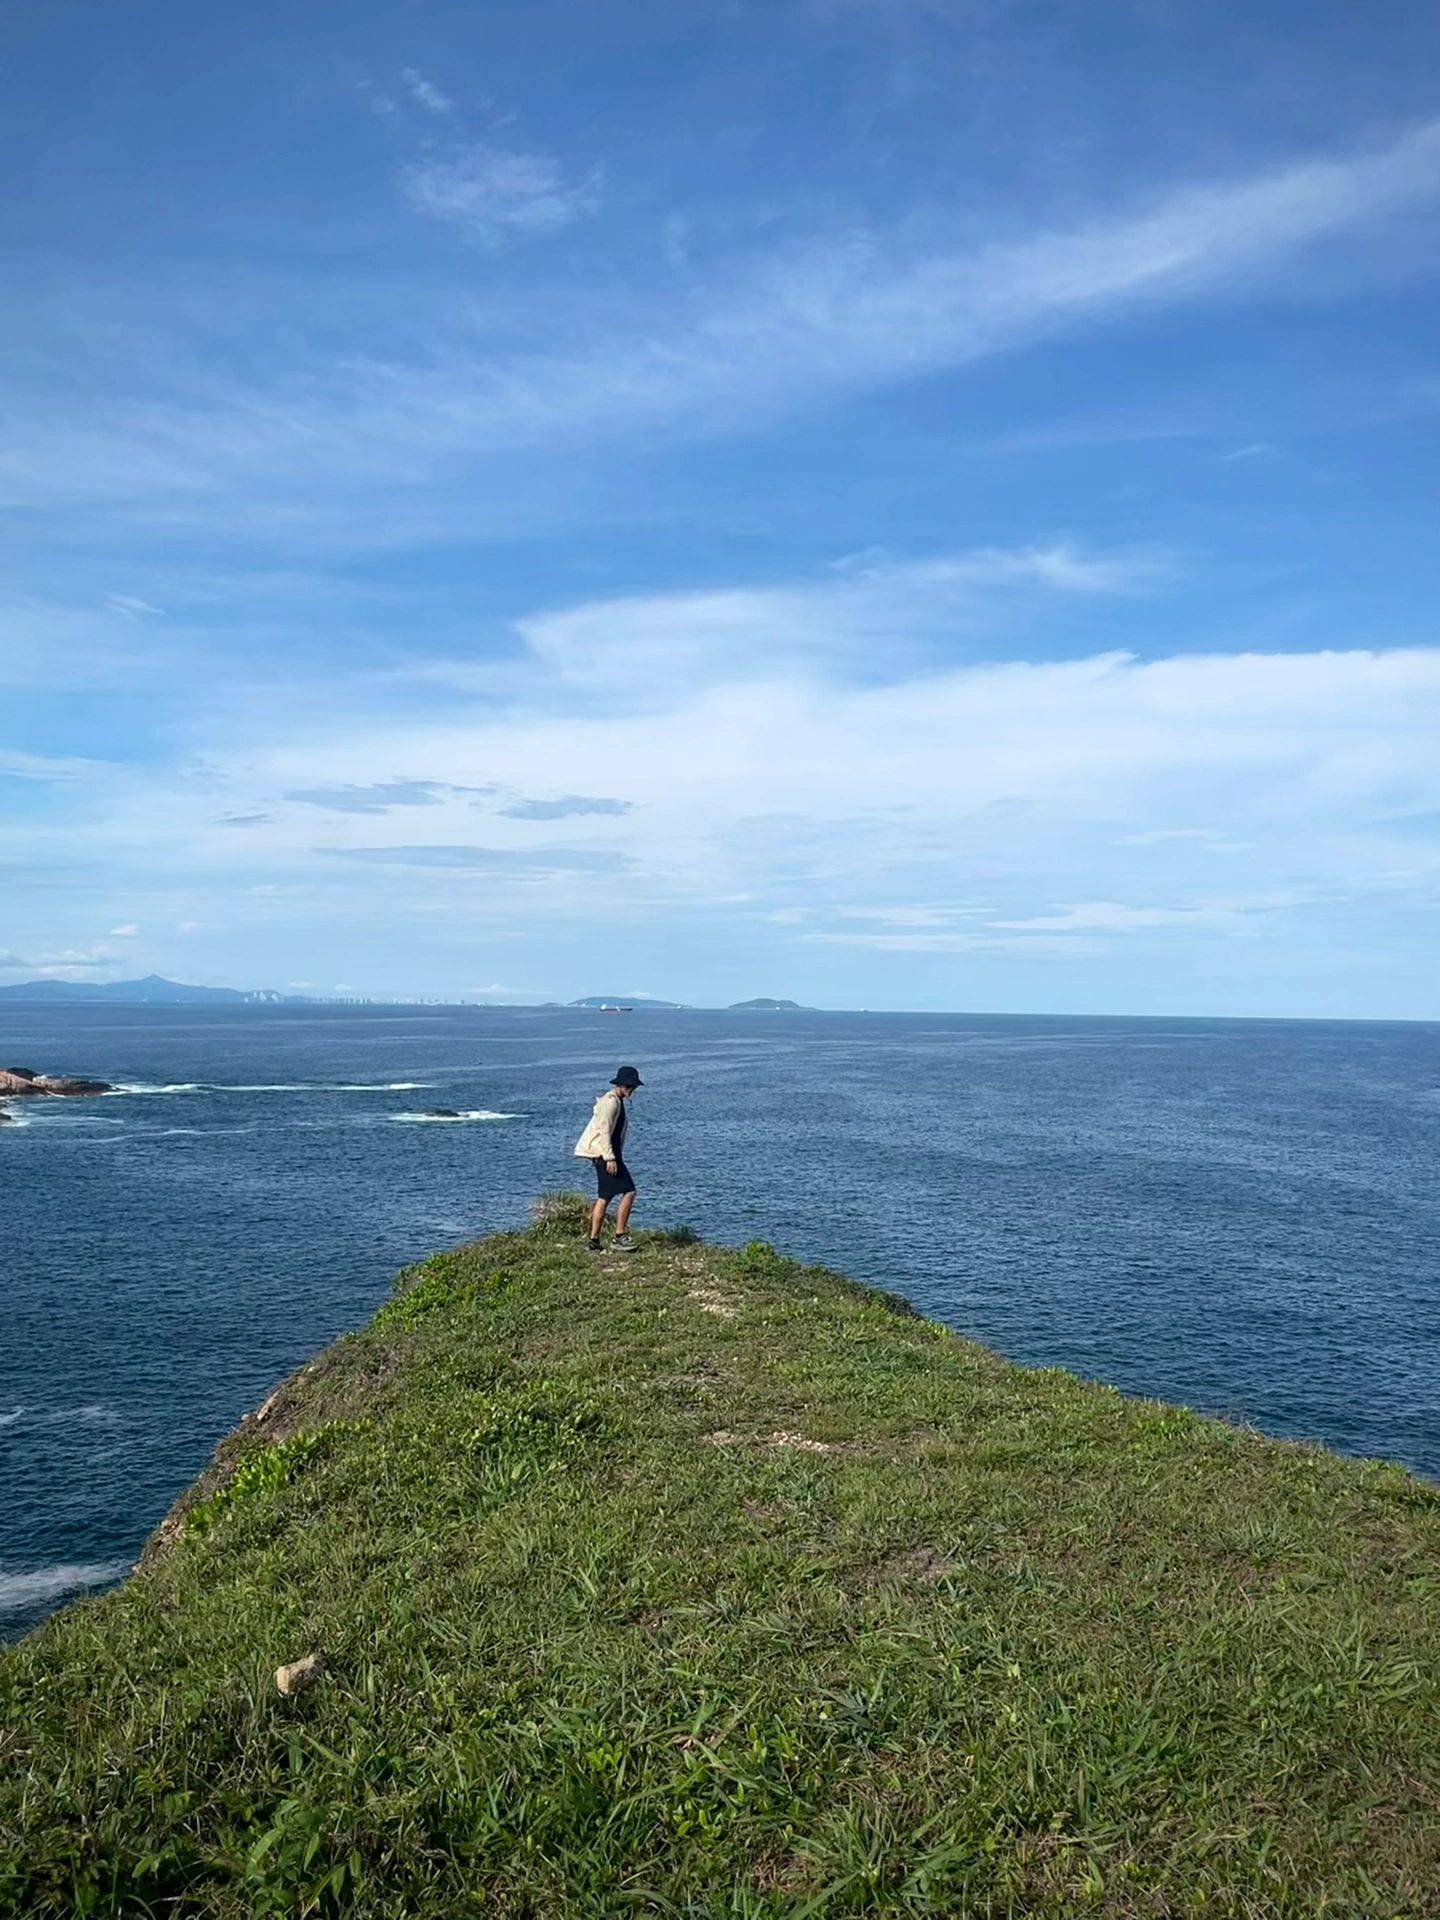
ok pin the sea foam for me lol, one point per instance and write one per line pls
(273, 1086)
(48, 1583)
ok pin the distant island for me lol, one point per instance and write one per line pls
(154, 990)
(151, 991)
(628, 1003)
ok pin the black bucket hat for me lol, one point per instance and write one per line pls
(626, 1077)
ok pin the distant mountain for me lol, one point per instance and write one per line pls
(636, 1002)
(764, 1005)
(151, 991)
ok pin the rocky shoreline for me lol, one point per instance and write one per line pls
(21, 1083)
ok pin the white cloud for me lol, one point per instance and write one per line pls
(960, 943)
(495, 193)
(425, 94)
(943, 811)
(737, 344)
(823, 765)
(864, 310)
(376, 796)
(567, 806)
(65, 964)
(1112, 916)
(124, 933)
(1161, 836)
(46, 768)
(913, 916)
(494, 862)
(870, 617)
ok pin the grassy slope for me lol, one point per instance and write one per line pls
(707, 1584)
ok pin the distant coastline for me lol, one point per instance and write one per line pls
(154, 990)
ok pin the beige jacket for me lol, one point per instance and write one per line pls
(595, 1142)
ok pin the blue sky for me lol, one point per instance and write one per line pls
(890, 502)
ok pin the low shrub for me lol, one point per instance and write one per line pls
(561, 1213)
(262, 1472)
(433, 1289)
(761, 1261)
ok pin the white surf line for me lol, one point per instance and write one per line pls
(272, 1086)
(24, 1589)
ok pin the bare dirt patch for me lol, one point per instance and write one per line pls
(801, 1442)
(920, 1567)
(712, 1300)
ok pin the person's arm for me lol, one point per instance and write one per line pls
(612, 1121)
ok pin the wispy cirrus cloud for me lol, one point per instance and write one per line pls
(942, 944)
(872, 615)
(46, 769)
(1068, 930)
(496, 193)
(1114, 916)
(63, 964)
(425, 93)
(514, 862)
(379, 796)
(568, 806)
(739, 343)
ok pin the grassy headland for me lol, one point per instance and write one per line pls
(704, 1583)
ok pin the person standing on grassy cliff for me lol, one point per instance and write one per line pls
(603, 1143)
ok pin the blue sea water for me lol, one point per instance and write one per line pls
(1239, 1215)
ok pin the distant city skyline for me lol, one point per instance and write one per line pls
(881, 502)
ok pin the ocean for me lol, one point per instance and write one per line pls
(1240, 1215)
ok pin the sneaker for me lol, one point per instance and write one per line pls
(622, 1243)
(593, 1246)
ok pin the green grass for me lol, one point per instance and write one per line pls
(703, 1583)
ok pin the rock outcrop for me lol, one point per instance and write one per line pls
(22, 1083)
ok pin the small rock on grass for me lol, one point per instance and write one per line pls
(299, 1673)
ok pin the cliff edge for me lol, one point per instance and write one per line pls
(702, 1583)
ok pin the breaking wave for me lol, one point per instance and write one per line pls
(171, 1133)
(48, 1583)
(274, 1086)
(144, 1086)
(95, 1414)
(441, 1119)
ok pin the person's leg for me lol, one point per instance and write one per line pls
(597, 1217)
(622, 1212)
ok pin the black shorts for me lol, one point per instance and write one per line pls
(610, 1186)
